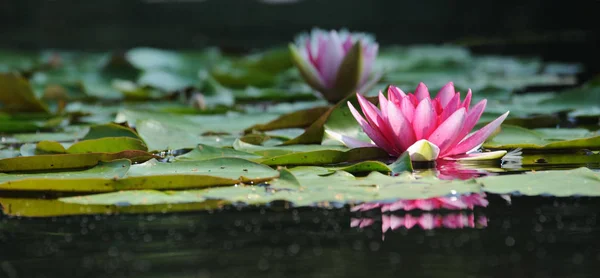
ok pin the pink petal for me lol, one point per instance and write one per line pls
(395, 94)
(478, 137)
(347, 44)
(446, 94)
(395, 222)
(372, 114)
(383, 105)
(425, 204)
(408, 109)
(447, 132)
(373, 133)
(398, 205)
(472, 119)
(422, 92)
(424, 122)
(467, 102)
(450, 108)
(330, 57)
(386, 223)
(410, 221)
(401, 128)
(309, 52)
(427, 221)
(368, 59)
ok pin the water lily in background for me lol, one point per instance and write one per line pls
(336, 64)
(427, 128)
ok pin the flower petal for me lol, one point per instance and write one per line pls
(348, 141)
(467, 102)
(446, 94)
(451, 107)
(369, 55)
(472, 119)
(477, 156)
(307, 69)
(478, 137)
(446, 133)
(401, 128)
(372, 132)
(422, 92)
(383, 105)
(395, 95)
(424, 122)
(329, 58)
(408, 109)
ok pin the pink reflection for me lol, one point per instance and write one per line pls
(469, 201)
(426, 221)
(451, 170)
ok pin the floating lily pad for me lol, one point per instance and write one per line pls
(580, 181)
(16, 95)
(204, 152)
(517, 137)
(67, 161)
(27, 207)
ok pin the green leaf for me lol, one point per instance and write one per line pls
(49, 147)
(16, 95)
(67, 161)
(517, 137)
(402, 164)
(307, 186)
(28, 207)
(195, 174)
(97, 179)
(580, 181)
(107, 145)
(297, 119)
(364, 167)
(159, 136)
(323, 157)
(205, 152)
(110, 130)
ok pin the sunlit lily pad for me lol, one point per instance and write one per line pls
(546, 139)
(580, 181)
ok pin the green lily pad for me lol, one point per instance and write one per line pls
(204, 152)
(16, 95)
(297, 119)
(546, 139)
(27, 207)
(195, 174)
(580, 181)
(107, 145)
(110, 130)
(97, 179)
(67, 161)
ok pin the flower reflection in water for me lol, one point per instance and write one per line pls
(434, 218)
(461, 202)
(426, 221)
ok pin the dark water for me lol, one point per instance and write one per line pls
(529, 237)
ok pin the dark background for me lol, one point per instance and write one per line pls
(246, 24)
(565, 31)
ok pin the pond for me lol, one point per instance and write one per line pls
(333, 157)
(528, 237)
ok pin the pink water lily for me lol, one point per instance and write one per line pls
(427, 128)
(335, 63)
